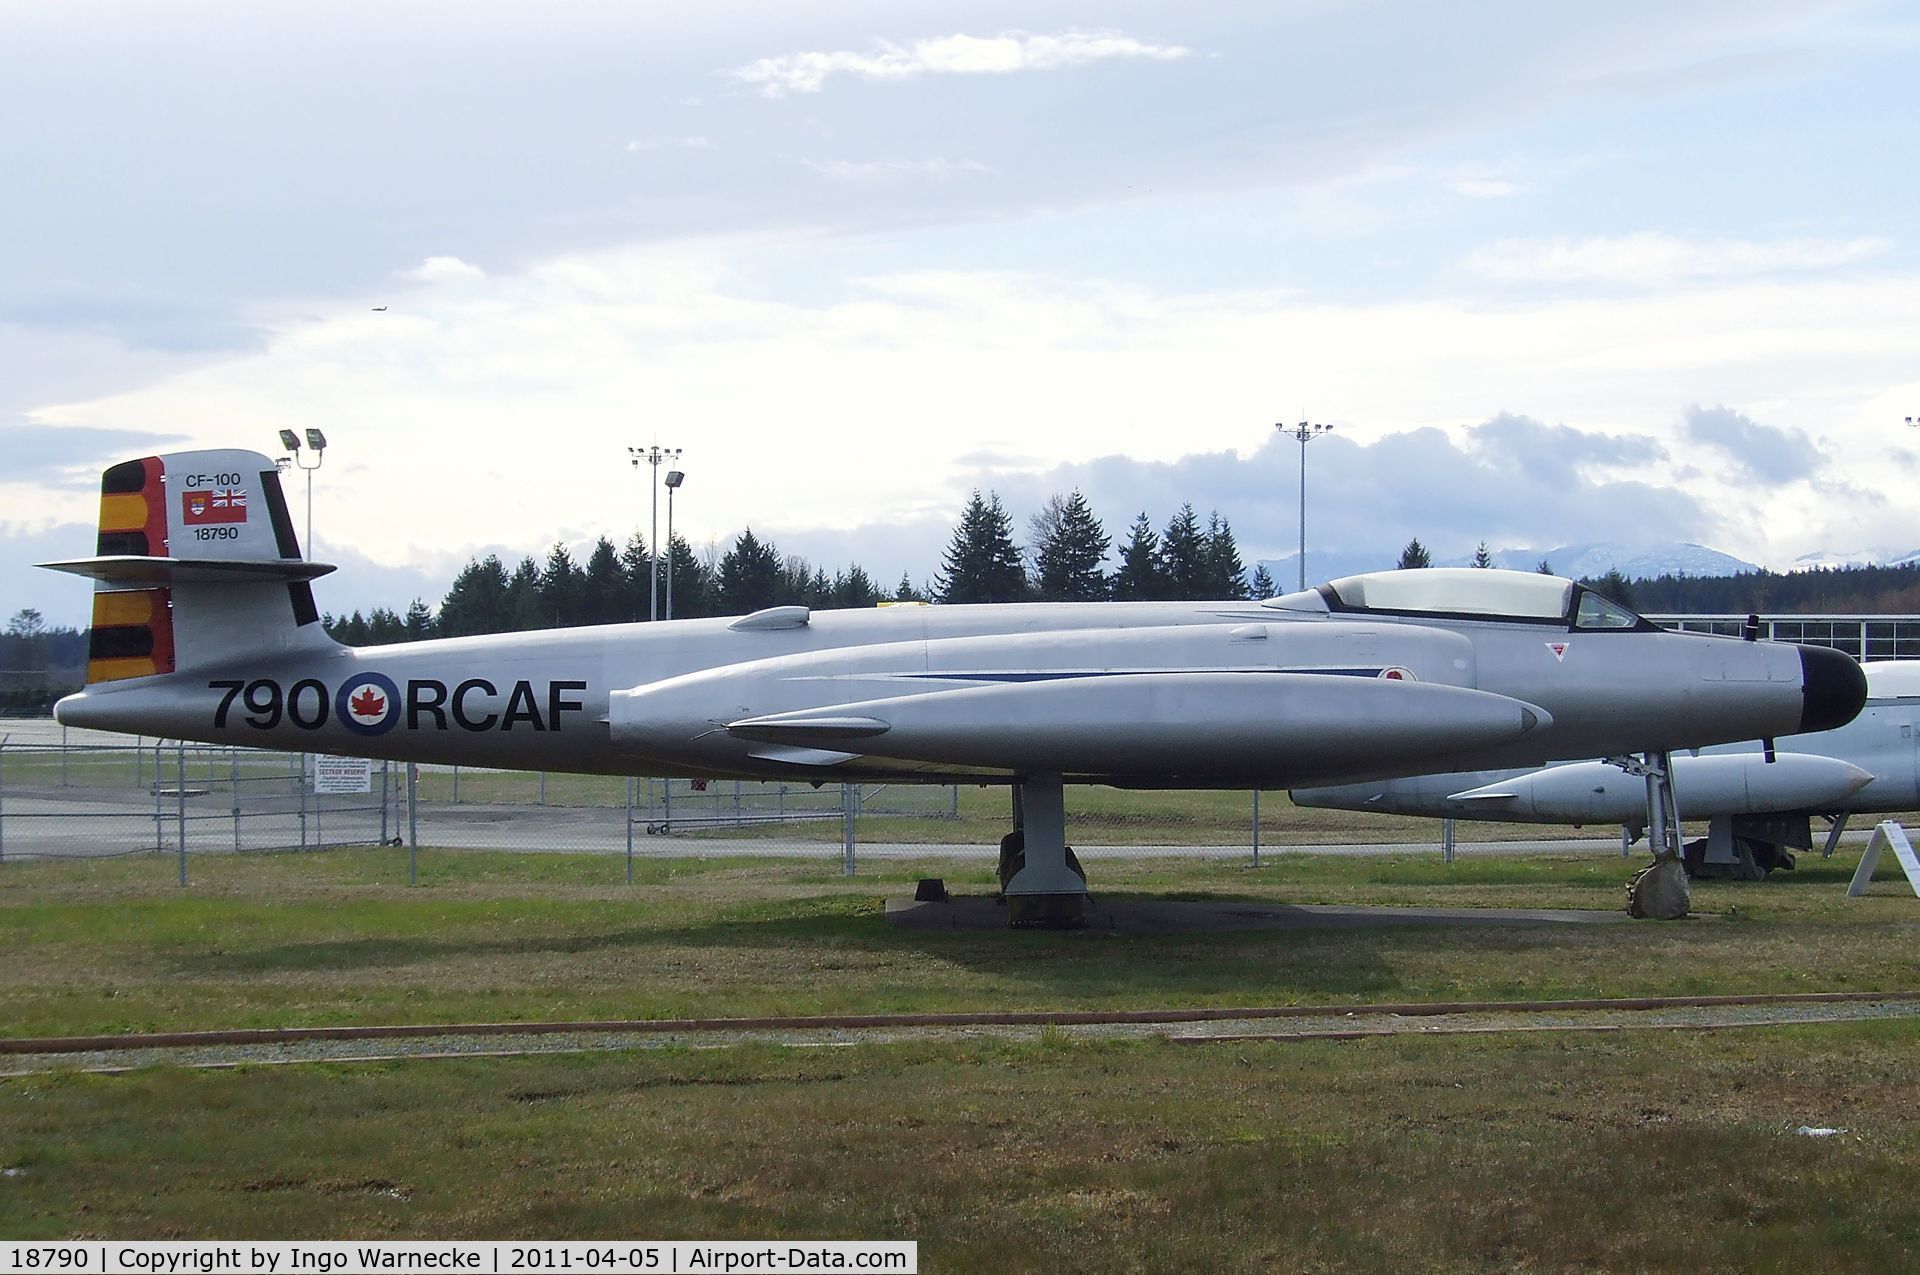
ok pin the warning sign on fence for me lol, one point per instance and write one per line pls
(333, 775)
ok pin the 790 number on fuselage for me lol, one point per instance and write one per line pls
(373, 704)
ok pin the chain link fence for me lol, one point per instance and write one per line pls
(85, 794)
(97, 795)
(90, 800)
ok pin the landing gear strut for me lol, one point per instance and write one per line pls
(1040, 877)
(1660, 890)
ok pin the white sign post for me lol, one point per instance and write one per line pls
(1887, 834)
(336, 775)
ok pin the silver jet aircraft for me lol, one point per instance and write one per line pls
(1759, 800)
(205, 628)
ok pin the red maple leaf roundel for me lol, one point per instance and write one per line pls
(368, 702)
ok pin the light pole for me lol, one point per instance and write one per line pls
(653, 456)
(1305, 433)
(317, 444)
(674, 479)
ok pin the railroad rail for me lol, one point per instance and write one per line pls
(855, 1022)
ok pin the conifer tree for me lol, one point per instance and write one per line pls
(1613, 586)
(1224, 575)
(1483, 557)
(636, 570)
(524, 609)
(1042, 525)
(1415, 556)
(477, 600)
(692, 583)
(854, 588)
(384, 627)
(603, 585)
(1183, 552)
(1068, 556)
(749, 576)
(982, 564)
(418, 623)
(563, 590)
(1263, 586)
(1140, 578)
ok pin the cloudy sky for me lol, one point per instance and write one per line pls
(1556, 273)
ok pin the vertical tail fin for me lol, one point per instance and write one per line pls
(196, 565)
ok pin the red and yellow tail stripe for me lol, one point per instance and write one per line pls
(132, 635)
(132, 628)
(133, 509)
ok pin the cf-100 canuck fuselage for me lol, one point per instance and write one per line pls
(1154, 694)
(205, 629)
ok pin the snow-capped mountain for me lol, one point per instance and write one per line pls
(1856, 558)
(1635, 562)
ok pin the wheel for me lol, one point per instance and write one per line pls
(1013, 856)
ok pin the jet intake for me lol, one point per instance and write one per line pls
(1833, 690)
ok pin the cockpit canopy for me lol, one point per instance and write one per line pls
(1472, 593)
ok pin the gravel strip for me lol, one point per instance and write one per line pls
(455, 1047)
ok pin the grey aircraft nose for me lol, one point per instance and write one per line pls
(1832, 688)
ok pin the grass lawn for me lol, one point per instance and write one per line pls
(1639, 1151)
(292, 940)
(1664, 1151)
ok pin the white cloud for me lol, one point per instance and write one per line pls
(948, 55)
(894, 169)
(914, 374)
(1652, 259)
(445, 270)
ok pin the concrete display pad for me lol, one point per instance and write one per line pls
(1157, 916)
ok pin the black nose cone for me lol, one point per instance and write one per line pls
(1832, 688)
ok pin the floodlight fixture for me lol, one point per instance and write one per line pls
(674, 479)
(316, 448)
(1304, 433)
(653, 456)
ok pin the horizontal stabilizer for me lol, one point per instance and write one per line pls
(138, 569)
